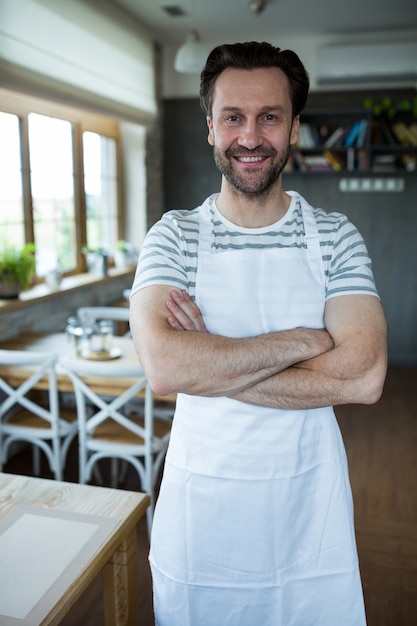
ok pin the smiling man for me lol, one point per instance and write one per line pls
(261, 313)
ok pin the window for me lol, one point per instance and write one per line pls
(11, 189)
(100, 185)
(52, 190)
(59, 182)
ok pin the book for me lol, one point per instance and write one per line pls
(317, 163)
(336, 138)
(350, 160)
(334, 161)
(384, 163)
(403, 135)
(361, 137)
(413, 130)
(353, 134)
(305, 136)
(364, 158)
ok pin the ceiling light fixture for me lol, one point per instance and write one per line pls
(192, 55)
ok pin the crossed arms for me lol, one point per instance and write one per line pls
(292, 369)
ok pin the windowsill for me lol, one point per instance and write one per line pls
(68, 284)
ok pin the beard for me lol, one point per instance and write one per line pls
(253, 184)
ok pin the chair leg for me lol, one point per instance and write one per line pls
(123, 471)
(36, 460)
(56, 456)
(114, 472)
(118, 472)
(97, 474)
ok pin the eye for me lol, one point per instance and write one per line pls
(233, 118)
(270, 117)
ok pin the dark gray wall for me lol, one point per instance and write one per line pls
(189, 171)
(387, 221)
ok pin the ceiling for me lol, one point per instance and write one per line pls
(220, 21)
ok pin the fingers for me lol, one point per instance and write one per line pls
(178, 320)
(173, 323)
(185, 314)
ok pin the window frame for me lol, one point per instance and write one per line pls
(82, 120)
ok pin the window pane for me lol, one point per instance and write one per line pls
(11, 197)
(100, 183)
(52, 179)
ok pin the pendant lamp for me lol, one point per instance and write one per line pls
(191, 56)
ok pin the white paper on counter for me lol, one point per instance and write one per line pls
(41, 552)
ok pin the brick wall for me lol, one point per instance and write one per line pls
(50, 313)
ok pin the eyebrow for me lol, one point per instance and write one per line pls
(265, 109)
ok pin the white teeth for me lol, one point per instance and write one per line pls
(250, 159)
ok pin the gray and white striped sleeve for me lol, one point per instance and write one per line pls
(346, 258)
(163, 257)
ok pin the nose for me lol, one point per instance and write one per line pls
(250, 137)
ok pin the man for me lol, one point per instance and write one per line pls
(260, 312)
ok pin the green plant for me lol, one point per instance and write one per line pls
(123, 246)
(388, 108)
(18, 265)
(87, 250)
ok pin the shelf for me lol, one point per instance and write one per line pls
(351, 141)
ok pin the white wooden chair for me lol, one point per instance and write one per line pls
(44, 424)
(106, 430)
(89, 314)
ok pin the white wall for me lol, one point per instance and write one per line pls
(176, 85)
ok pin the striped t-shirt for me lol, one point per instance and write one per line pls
(169, 255)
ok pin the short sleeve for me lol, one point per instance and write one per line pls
(162, 259)
(349, 265)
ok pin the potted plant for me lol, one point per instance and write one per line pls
(97, 260)
(125, 254)
(17, 269)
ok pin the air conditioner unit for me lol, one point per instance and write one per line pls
(370, 63)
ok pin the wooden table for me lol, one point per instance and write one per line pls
(110, 548)
(58, 343)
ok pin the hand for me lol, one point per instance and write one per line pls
(184, 313)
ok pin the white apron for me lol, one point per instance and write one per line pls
(254, 521)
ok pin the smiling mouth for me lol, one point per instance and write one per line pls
(250, 159)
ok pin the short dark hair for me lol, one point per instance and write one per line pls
(253, 55)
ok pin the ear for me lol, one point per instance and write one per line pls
(210, 137)
(294, 130)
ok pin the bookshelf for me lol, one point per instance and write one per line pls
(354, 140)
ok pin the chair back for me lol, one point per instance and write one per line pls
(89, 315)
(109, 428)
(17, 396)
(45, 425)
(115, 313)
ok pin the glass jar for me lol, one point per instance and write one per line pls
(77, 334)
(101, 338)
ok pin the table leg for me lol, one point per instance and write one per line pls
(120, 585)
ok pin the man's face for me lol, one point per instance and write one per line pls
(251, 127)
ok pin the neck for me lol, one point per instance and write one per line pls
(252, 212)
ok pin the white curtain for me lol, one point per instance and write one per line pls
(82, 52)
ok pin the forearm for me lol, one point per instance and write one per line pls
(352, 372)
(210, 365)
(323, 381)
